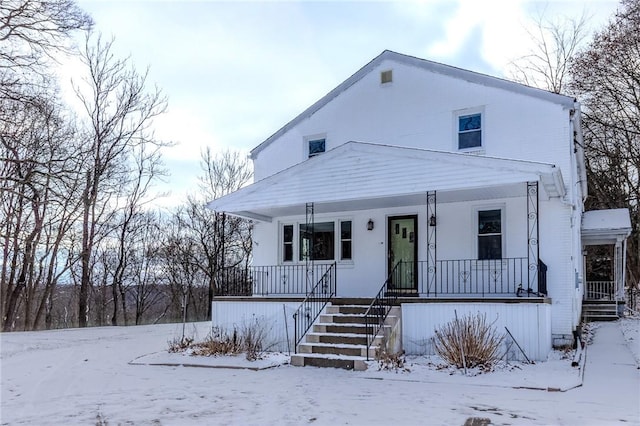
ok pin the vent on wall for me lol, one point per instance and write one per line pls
(386, 77)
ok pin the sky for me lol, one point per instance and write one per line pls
(235, 72)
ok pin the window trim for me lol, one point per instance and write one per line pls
(456, 132)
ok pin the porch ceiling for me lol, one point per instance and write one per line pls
(360, 176)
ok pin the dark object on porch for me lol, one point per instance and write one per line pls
(542, 283)
(542, 277)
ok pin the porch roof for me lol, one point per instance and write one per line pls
(359, 176)
(605, 226)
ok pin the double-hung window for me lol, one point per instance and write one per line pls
(287, 243)
(469, 131)
(490, 234)
(345, 240)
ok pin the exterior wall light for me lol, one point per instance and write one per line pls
(432, 220)
(370, 225)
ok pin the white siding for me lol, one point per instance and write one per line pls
(417, 110)
(529, 323)
(270, 315)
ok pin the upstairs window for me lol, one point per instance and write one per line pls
(489, 234)
(316, 146)
(470, 131)
(386, 77)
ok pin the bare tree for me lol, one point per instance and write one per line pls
(119, 113)
(30, 33)
(606, 79)
(546, 66)
(229, 246)
(38, 182)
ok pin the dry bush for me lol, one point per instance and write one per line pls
(253, 336)
(219, 342)
(389, 361)
(180, 344)
(468, 342)
(249, 340)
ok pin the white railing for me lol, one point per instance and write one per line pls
(600, 290)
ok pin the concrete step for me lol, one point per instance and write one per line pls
(340, 338)
(347, 318)
(340, 328)
(333, 348)
(327, 360)
(348, 309)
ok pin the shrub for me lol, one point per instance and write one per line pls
(388, 361)
(468, 342)
(219, 342)
(180, 344)
(253, 336)
(249, 340)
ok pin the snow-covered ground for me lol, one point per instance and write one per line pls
(102, 376)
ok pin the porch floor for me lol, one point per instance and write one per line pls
(495, 298)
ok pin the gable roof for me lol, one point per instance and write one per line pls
(605, 226)
(434, 67)
(358, 176)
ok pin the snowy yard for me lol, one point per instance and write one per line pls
(87, 377)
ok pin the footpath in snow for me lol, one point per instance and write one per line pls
(103, 376)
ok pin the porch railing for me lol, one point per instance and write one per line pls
(470, 277)
(377, 312)
(313, 304)
(268, 280)
(600, 290)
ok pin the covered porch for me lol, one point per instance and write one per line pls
(604, 240)
(408, 222)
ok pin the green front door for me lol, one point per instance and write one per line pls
(402, 249)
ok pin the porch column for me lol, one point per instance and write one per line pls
(618, 257)
(431, 243)
(309, 222)
(533, 235)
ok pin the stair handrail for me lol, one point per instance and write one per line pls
(379, 308)
(313, 304)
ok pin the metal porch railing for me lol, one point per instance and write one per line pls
(378, 310)
(471, 277)
(267, 280)
(313, 304)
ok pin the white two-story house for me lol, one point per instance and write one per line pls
(438, 190)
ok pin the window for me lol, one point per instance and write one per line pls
(316, 146)
(470, 131)
(489, 234)
(287, 243)
(386, 77)
(317, 241)
(345, 240)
